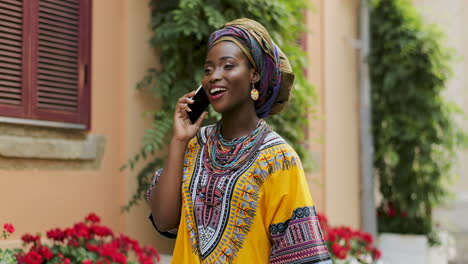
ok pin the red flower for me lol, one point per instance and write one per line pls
(367, 237)
(9, 228)
(332, 235)
(391, 209)
(339, 251)
(90, 235)
(344, 232)
(45, 252)
(93, 218)
(108, 250)
(93, 248)
(56, 234)
(27, 238)
(69, 232)
(81, 231)
(376, 254)
(145, 259)
(119, 258)
(151, 251)
(32, 257)
(101, 231)
(73, 243)
(103, 261)
(404, 214)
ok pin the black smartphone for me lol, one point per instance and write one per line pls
(200, 104)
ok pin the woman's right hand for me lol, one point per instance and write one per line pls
(184, 130)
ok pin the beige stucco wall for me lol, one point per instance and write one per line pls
(315, 75)
(36, 200)
(140, 58)
(334, 71)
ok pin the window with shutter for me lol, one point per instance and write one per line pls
(45, 62)
(11, 62)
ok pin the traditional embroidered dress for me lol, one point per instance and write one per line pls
(262, 212)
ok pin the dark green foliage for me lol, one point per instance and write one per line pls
(181, 30)
(413, 124)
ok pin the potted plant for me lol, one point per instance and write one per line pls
(414, 130)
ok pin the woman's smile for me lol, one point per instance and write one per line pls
(216, 92)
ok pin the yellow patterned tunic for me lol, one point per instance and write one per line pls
(261, 213)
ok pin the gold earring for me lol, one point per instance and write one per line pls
(254, 93)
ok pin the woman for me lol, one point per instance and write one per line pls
(235, 192)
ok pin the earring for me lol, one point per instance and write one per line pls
(254, 93)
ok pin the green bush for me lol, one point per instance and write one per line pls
(414, 126)
(181, 30)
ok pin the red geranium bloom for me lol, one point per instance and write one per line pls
(45, 252)
(376, 253)
(367, 237)
(92, 247)
(88, 261)
(9, 228)
(339, 251)
(31, 258)
(28, 238)
(93, 218)
(56, 234)
(404, 214)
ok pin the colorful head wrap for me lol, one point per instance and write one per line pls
(276, 76)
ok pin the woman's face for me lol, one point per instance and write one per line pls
(228, 78)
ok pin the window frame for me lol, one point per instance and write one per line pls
(29, 112)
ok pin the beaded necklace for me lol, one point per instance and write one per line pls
(221, 157)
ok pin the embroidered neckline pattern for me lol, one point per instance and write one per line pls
(218, 233)
(222, 156)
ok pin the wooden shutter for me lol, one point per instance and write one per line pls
(12, 96)
(63, 41)
(56, 59)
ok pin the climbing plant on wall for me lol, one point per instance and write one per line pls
(180, 34)
(414, 126)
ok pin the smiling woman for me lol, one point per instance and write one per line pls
(228, 79)
(235, 192)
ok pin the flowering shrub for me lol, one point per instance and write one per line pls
(7, 256)
(87, 242)
(347, 245)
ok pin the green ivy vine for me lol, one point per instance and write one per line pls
(180, 34)
(416, 136)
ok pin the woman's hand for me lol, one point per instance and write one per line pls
(184, 130)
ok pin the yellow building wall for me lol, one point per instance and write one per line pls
(334, 135)
(140, 57)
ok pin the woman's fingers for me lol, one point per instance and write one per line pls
(185, 100)
(183, 106)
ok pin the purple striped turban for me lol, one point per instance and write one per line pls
(276, 76)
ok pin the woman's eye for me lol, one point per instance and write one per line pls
(228, 66)
(207, 70)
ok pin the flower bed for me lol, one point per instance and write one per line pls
(347, 245)
(87, 242)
